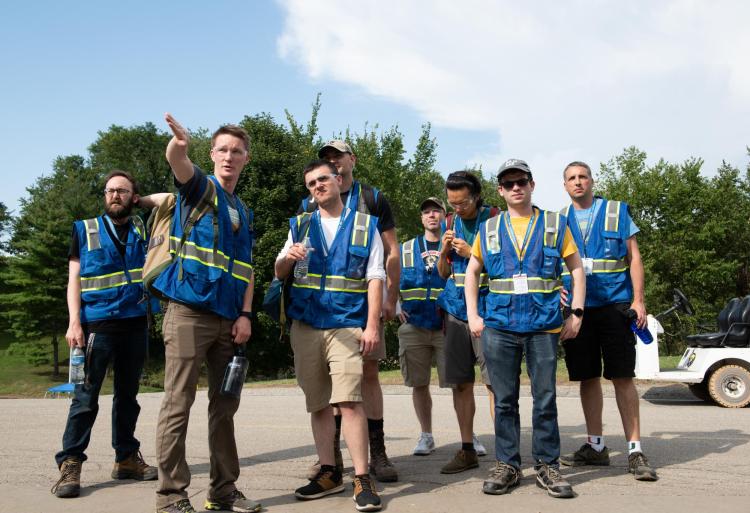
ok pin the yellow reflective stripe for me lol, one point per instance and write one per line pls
(551, 227)
(92, 233)
(360, 232)
(540, 285)
(460, 277)
(434, 293)
(106, 281)
(407, 256)
(612, 221)
(413, 294)
(604, 266)
(331, 283)
(492, 234)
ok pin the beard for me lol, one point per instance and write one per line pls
(118, 211)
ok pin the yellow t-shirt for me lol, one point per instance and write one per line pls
(520, 225)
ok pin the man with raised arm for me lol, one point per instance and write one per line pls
(210, 289)
(606, 236)
(522, 251)
(335, 305)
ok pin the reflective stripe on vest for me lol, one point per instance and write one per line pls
(492, 234)
(551, 227)
(211, 258)
(361, 229)
(541, 285)
(612, 221)
(459, 278)
(331, 284)
(419, 294)
(108, 281)
(604, 266)
(407, 256)
(92, 233)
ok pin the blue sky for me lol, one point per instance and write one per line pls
(496, 79)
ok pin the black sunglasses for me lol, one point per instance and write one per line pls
(509, 184)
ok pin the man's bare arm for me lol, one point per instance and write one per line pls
(74, 335)
(392, 272)
(177, 149)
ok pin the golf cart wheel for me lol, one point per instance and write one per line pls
(700, 391)
(729, 386)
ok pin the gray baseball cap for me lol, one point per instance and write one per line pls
(513, 165)
(432, 200)
(336, 144)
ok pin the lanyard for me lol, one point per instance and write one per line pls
(114, 231)
(422, 245)
(520, 250)
(588, 228)
(316, 216)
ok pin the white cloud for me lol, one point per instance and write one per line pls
(556, 81)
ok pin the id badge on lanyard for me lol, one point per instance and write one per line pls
(588, 266)
(520, 284)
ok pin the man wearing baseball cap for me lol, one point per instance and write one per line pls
(420, 336)
(522, 251)
(359, 197)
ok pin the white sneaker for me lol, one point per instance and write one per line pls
(481, 451)
(425, 445)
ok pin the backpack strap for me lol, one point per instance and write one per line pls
(92, 233)
(209, 200)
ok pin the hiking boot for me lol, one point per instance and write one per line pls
(425, 445)
(501, 479)
(314, 469)
(639, 467)
(365, 495)
(463, 460)
(380, 466)
(586, 455)
(69, 484)
(133, 467)
(235, 501)
(326, 482)
(549, 478)
(182, 506)
(481, 451)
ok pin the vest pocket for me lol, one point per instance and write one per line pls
(551, 266)
(99, 297)
(357, 266)
(614, 246)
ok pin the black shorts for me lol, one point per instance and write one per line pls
(605, 335)
(462, 352)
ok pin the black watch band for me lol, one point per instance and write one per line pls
(247, 314)
(578, 312)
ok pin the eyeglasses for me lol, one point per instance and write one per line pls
(122, 192)
(509, 184)
(460, 206)
(320, 179)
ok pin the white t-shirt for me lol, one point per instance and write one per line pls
(330, 225)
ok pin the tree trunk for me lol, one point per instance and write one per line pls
(55, 356)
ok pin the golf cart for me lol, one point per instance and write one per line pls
(715, 366)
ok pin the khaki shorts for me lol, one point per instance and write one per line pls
(328, 364)
(418, 349)
(379, 353)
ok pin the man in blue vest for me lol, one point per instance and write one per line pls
(420, 335)
(462, 351)
(335, 305)
(108, 319)
(522, 251)
(369, 200)
(605, 234)
(210, 289)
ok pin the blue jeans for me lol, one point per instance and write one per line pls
(127, 351)
(503, 352)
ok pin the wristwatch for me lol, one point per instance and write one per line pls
(248, 314)
(578, 312)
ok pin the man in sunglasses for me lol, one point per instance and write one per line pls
(335, 307)
(605, 234)
(522, 251)
(107, 320)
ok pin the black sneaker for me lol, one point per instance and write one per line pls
(549, 478)
(182, 506)
(586, 455)
(502, 478)
(365, 496)
(327, 482)
(639, 467)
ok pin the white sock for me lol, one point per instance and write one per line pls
(596, 442)
(634, 446)
(424, 433)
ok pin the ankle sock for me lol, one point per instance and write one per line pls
(634, 446)
(596, 442)
(468, 446)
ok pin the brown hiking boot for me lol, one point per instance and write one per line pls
(463, 460)
(380, 466)
(69, 484)
(133, 467)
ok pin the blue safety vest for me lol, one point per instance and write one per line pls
(419, 286)
(333, 294)
(111, 286)
(610, 281)
(539, 308)
(214, 267)
(452, 299)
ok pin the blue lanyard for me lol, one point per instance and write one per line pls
(520, 250)
(588, 228)
(114, 230)
(323, 242)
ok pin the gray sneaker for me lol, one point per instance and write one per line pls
(549, 478)
(502, 478)
(639, 467)
(182, 506)
(586, 455)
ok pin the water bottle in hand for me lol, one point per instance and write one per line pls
(300, 270)
(77, 362)
(642, 333)
(235, 374)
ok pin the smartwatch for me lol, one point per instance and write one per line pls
(578, 312)
(249, 315)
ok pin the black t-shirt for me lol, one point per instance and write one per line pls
(381, 210)
(111, 325)
(191, 192)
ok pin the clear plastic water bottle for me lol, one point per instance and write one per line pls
(642, 333)
(300, 270)
(235, 374)
(77, 362)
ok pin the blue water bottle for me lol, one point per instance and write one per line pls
(77, 362)
(643, 333)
